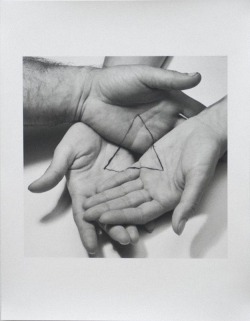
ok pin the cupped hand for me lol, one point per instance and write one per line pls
(116, 95)
(81, 156)
(182, 164)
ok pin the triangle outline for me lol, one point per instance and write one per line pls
(134, 167)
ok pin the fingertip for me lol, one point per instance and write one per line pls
(104, 219)
(133, 234)
(134, 238)
(197, 76)
(123, 239)
(193, 80)
(179, 220)
(34, 187)
(150, 226)
(30, 187)
(90, 244)
(181, 226)
(119, 234)
(90, 215)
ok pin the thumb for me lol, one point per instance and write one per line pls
(158, 78)
(61, 161)
(191, 196)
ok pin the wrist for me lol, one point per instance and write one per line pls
(53, 93)
(215, 117)
(83, 83)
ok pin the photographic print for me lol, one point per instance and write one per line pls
(125, 160)
(125, 156)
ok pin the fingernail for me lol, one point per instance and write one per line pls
(181, 226)
(124, 243)
(193, 74)
(124, 240)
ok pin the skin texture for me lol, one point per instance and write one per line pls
(153, 61)
(105, 94)
(80, 156)
(108, 99)
(189, 155)
(118, 94)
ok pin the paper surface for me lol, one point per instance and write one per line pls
(154, 289)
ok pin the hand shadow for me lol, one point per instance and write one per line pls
(40, 142)
(205, 238)
(39, 145)
(62, 206)
(137, 250)
(124, 251)
(216, 220)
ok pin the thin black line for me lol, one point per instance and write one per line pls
(133, 167)
(147, 128)
(158, 158)
(119, 147)
(120, 144)
(111, 170)
(153, 141)
(153, 169)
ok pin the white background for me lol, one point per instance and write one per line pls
(159, 289)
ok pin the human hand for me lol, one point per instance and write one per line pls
(116, 95)
(81, 156)
(188, 155)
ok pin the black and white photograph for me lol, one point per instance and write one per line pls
(125, 152)
(133, 144)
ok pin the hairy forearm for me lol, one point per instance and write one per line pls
(52, 93)
(154, 61)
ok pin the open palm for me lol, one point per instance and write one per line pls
(116, 95)
(81, 156)
(187, 157)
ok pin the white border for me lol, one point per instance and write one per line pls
(78, 289)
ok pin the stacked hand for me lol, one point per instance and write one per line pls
(81, 156)
(109, 103)
(117, 94)
(189, 155)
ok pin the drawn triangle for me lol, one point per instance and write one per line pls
(151, 161)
